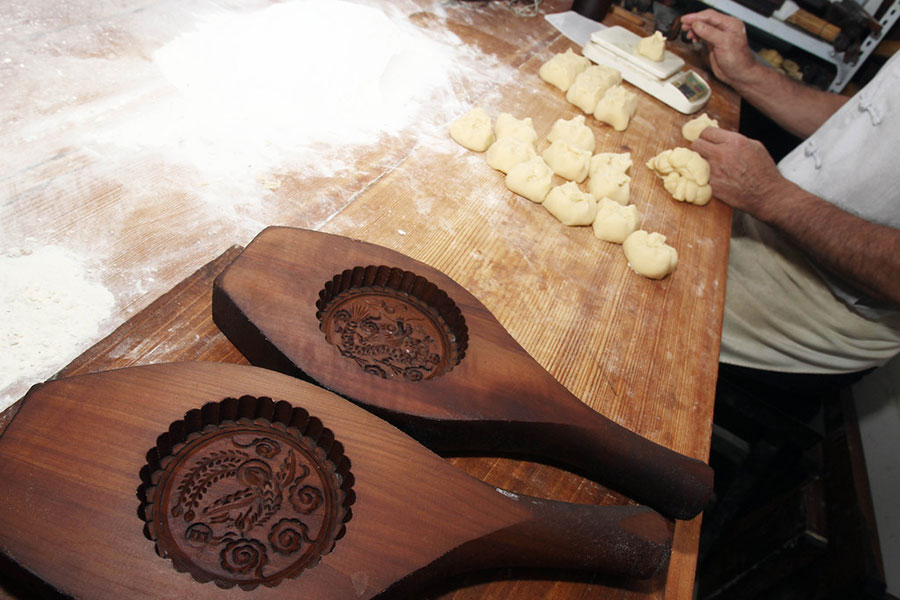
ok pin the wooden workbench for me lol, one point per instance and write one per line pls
(642, 352)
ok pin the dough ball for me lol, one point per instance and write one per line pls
(473, 130)
(685, 175)
(507, 152)
(606, 161)
(612, 184)
(771, 56)
(591, 85)
(509, 126)
(615, 222)
(573, 131)
(567, 161)
(652, 47)
(531, 179)
(562, 69)
(572, 206)
(649, 255)
(616, 107)
(693, 128)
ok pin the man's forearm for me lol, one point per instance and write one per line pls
(864, 253)
(798, 108)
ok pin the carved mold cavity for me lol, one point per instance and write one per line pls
(245, 492)
(392, 323)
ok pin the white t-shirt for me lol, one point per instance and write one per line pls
(782, 313)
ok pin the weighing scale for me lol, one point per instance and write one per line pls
(666, 80)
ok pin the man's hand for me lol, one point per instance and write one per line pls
(741, 172)
(726, 38)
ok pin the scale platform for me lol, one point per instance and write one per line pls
(666, 80)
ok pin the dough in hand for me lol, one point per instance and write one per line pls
(507, 152)
(615, 222)
(591, 85)
(567, 161)
(649, 255)
(473, 130)
(572, 206)
(509, 126)
(652, 47)
(616, 107)
(693, 128)
(562, 69)
(608, 176)
(530, 179)
(685, 175)
(573, 131)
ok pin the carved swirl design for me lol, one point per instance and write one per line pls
(392, 323)
(244, 502)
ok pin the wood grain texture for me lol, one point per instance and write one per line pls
(642, 353)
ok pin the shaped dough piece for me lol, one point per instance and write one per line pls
(509, 126)
(531, 179)
(507, 152)
(591, 85)
(611, 184)
(562, 69)
(572, 206)
(473, 130)
(693, 128)
(653, 47)
(649, 255)
(573, 131)
(606, 161)
(685, 175)
(567, 161)
(609, 176)
(616, 107)
(615, 222)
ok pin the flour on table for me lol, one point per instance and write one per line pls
(49, 309)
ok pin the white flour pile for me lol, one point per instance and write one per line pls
(230, 100)
(49, 312)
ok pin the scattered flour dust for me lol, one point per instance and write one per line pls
(49, 312)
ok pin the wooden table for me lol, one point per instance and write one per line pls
(642, 352)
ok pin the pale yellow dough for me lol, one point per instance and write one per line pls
(571, 205)
(507, 152)
(653, 47)
(509, 126)
(616, 107)
(649, 255)
(473, 130)
(567, 161)
(591, 85)
(531, 179)
(685, 175)
(608, 176)
(615, 222)
(693, 128)
(562, 69)
(573, 131)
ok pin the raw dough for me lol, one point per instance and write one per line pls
(531, 179)
(693, 128)
(507, 152)
(571, 205)
(568, 161)
(509, 126)
(615, 222)
(685, 175)
(473, 130)
(562, 69)
(616, 107)
(591, 85)
(649, 255)
(573, 131)
(608, 176)
(653, 47)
